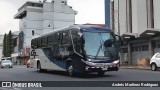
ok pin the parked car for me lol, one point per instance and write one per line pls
(6, 63)
(155, 62)
(29, 64)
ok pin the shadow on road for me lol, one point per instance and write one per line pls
(79, 75)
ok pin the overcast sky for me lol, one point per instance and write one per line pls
(89, 11)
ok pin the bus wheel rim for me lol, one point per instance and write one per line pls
(70, 70)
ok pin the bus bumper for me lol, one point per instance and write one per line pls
(91, 66)
(105, 68)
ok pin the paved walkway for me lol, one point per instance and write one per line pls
(19, 66)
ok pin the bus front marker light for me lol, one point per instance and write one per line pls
(89, 59)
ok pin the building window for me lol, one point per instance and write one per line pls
(136, 48)
(145, 47)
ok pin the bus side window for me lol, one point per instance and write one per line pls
(44, 41)
(56, 42)
(66, 38)
(35, 43)
(39, 42)
(56, 39)
(50, 40)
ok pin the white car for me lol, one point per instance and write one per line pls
(155, 62)
(6, 63)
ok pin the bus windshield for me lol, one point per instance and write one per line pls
(100, 45)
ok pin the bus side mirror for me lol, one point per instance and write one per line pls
(119, 40)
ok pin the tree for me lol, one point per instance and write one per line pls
(7, 44)
(10, 43)
(4, 45)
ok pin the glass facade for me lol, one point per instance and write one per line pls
(107, 13)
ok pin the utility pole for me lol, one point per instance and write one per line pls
(118, 20)
(112, 15)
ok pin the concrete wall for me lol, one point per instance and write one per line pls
(138, 12)
(122, 16)
(139, 16)
(32, 21)
(57, 15)
(156, 14)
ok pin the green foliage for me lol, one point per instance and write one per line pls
(4, 44)
(7, 44)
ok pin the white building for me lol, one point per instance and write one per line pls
(136, 16)
(138, 22)
(1, 45)
(42, 17)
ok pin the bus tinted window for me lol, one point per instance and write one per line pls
(44, 41)
(56, 39)
(50, 40)
(66, 38)
(39, 42)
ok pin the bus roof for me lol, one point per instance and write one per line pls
(93, 28)
(83, 28)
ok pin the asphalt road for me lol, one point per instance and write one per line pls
(21, 73)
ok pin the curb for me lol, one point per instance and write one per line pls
(137, 67)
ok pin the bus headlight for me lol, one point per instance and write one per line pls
(116, 62)
(88, 63)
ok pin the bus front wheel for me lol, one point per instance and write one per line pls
(101, 73)
(70, 70)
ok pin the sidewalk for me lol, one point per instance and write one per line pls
(136, 67)
(19, 66)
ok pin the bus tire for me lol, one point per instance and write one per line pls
(39, 69)
(101, 73)
(70, 70)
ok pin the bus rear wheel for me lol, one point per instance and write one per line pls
(39, 69)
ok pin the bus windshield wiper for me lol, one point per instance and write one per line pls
(98, 51)
(100, 47)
